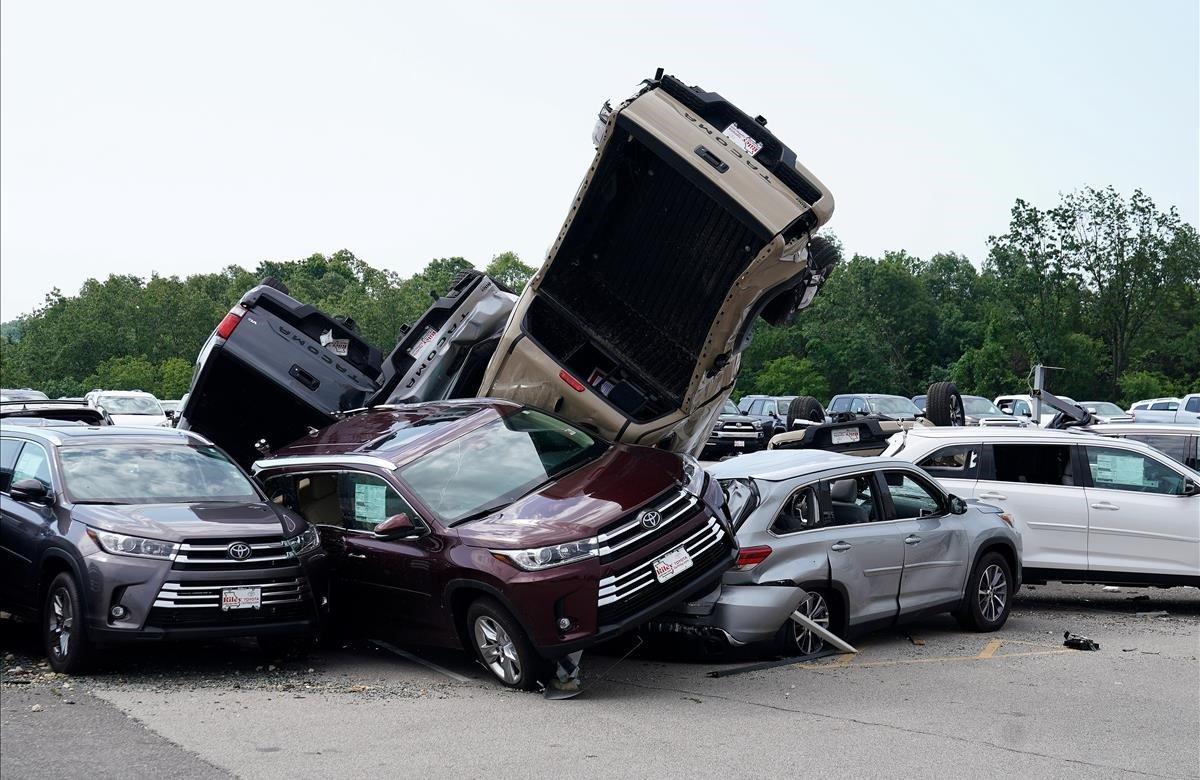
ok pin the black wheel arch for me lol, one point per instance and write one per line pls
(460, 593)
(56, 561)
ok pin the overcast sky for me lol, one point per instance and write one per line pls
(180, 138)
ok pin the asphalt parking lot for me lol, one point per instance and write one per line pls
(928, 699)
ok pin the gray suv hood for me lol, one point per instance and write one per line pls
(177, 522)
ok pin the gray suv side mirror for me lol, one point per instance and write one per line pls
(957, 506)
(30, 491)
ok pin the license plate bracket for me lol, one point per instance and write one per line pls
(671, 564)
(240, 598)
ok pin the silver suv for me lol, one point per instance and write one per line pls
(853, 544)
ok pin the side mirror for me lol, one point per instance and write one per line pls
(1190, 488)
(30, 491)
(396, 527)
(919, 414)
(957, 506)
(1007, 410)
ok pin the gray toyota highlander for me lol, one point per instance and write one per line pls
(116, 534)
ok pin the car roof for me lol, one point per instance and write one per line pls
(990, 435)
(1170, 429)
(778, 465)
(68, 435)
(125, 393)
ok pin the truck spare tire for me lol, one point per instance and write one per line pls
(274, 283)
(944, 405)
(821, 253)
(804, 407)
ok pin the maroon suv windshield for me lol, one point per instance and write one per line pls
(492, 466)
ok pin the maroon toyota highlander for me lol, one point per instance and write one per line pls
(499, 527)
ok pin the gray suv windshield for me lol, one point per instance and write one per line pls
(151, 473)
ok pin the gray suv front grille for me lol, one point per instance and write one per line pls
(233, 554)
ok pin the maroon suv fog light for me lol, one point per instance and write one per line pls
(118, 612)
(564, 623)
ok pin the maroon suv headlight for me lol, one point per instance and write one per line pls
(538, 558)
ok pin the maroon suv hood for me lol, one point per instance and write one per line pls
(176, 522)
(580, 504)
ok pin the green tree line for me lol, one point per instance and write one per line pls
(1105, 286)
(128, 333)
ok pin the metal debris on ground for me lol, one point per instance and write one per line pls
(1077, 642)
(915, 640)
(1155, 614)
(798, 659)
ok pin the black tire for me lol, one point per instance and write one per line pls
(64, 628)
(804, 407)
(281, 647)
(988, 599)
(944, 405)
(275, 283)
(821, 253)
(792, 639)
(484, 615)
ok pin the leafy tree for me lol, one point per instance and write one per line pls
(508, 269)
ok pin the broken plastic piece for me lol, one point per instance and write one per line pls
(1077, 642)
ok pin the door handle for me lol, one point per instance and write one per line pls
(839, 546)
(356, 555)
(993, 496)
(912, 540)
(1104, 505)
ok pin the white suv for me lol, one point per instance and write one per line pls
(1089, 508)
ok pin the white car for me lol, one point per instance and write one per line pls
(1088, 508)
(130, 407)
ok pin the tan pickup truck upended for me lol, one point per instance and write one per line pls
(693, 219)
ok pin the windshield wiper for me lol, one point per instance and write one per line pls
(484, 512)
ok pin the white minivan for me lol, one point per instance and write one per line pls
(1089, 508)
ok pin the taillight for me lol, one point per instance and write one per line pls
(749, 557)
(575, 384)
(231, 321)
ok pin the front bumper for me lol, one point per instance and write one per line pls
(701, 583)
(743, 614)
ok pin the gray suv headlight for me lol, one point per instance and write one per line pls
(136, 546)
(304, 541)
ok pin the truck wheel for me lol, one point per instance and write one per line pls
(804, 407)
(274, 283)
(501, 646)
(944, 405)
(821, 253)
(989, 595)
(64, 630)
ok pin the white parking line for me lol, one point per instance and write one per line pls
(417, 659)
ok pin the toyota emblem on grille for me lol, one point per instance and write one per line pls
(650, 519)
(239, 551)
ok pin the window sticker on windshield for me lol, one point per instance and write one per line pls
(743, 139)
(1119, 470)
(370, 503)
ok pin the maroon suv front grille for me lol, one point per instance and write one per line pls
(632, 590)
